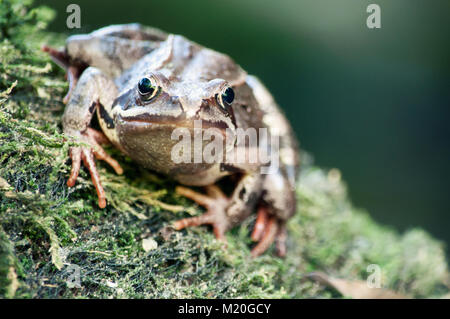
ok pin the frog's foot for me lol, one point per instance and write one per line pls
(86, 154)
(73, 71)
(268, 229)
(215, 203)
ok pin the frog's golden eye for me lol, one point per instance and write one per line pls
(225, 98)
(148, 89)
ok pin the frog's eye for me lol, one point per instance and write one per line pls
(148, 89)
(225, 98)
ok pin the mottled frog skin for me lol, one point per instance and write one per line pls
(142, 83)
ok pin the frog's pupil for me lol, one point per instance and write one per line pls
(145, 86)
(228, 96)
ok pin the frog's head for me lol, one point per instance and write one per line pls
(148, 114)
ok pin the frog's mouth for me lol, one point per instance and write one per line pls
(145, 121)
(156, 135)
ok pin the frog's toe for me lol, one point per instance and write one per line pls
(215, 203)
(262, 218)
(268, 229)
(88, 159)
(267, 238)
(97, 138)
(75, 155)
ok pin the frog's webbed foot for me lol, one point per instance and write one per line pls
(73, 70)
(268, 229)
(86, 154)
(215, 203)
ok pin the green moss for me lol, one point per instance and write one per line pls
(47, 230)
(8, 276)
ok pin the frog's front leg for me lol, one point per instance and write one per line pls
(93, 89)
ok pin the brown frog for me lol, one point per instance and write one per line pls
(143, 84)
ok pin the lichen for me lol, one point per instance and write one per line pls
(49, 232)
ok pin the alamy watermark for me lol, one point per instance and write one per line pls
(73, 20)
(74, 279)
(374, 279)
(374, 19)
(251, 147)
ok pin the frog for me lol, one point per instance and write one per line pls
(141, 84)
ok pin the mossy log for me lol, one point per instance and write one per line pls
(50, 233)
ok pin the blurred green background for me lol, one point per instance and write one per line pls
(373, 103)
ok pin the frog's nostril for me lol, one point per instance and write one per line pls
(123, 100)
(126, 106)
